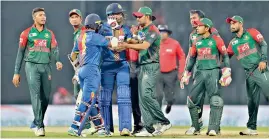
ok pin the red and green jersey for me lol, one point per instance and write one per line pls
(36, 47)
(152, 36)
(206, 51)
(77, 33)
(194, 36)
(246, 50)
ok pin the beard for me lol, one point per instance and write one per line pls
(235, 30)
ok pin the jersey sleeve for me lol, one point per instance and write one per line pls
(102, 41)
(54, 47)
(151, 36)
(222, 49)
(230, 50)
(192, 58)
(258, 37)
(75, 48)
(21, 50)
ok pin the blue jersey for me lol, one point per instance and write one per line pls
(109, 55)
(89, 45)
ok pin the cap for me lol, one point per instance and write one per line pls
(164, 28)
(235, 18)
(144, 11)
(204, 22)
(75, 11)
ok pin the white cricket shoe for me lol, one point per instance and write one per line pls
(39, 132)
(125, 132)
(160, 129)
(192, 131)
(90, 131)
(248, 132)
(143, 133)
(212, 133)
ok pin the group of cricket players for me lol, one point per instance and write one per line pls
(101, 58)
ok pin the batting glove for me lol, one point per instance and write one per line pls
(185, 79)
(112, 22)
(226, 78)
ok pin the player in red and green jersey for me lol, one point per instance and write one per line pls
(75, 19)
(245, 46)
(205, 51)
(196, 15)
(149, 38)
(37, 46)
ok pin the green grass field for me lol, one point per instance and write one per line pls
(174, 132)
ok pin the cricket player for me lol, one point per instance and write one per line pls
(170, 73)
(89, 46)
(115, 69)
(148, 47)
(37, 45)
(75, 18)
(250, 48)
(196, 15)
(205, 51)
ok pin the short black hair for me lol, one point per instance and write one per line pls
(37, 9)
(200, 13)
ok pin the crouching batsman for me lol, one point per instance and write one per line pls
(89, 47)
(205, 51)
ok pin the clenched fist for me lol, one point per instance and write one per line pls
(16, 80)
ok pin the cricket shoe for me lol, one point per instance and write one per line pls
(89, 131)
(40, 132)
(74, 132)
(192, 131)
(125, 132)
(101, 133)
(137, 129)
(248, 132)
(212, 133)
(143, 133)
(33, 127)
(161, 128)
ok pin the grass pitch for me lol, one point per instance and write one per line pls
(174, 132)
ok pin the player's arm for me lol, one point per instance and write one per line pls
(149, 39)
(230, 50)
(223, 51)
(181, 57)
(192, 58)
(258, 37)
(54, 48)
(21, 51)
(75, 51)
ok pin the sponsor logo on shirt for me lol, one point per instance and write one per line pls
(205, 53)
(244, 50)
(32, 34)
(235, 42)
(40, 45)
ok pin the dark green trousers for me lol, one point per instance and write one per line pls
(39, 82)
(206, 81)
(256, 83)
(150, 108)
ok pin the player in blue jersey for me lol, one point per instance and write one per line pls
(89, 46)
(115, 69)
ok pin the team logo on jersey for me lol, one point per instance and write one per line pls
(152, 35)
(46, 35)
(32, 34)
(210, 43)
(193, 37)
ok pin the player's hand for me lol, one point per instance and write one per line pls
(226, 78)
(185, 79)
(122, 46)
(134, 29)
(262, 66)
(59, 65)
(179, 76)
(16, 80)
(112, 22)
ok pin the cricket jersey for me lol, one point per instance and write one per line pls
(36, 46)
(124, 35)
(90, 45)
(246, 48)
(77, 33)
(151, 35)
(170, 51)
(206, 51)
(194, 36)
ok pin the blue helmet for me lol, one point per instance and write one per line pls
(114, 8)
(92, 21)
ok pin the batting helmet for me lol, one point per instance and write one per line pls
(92, 21)
(114, 8)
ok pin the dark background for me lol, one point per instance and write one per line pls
(16, 16)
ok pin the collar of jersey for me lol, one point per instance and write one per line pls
(244, 31)
(44, 28)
